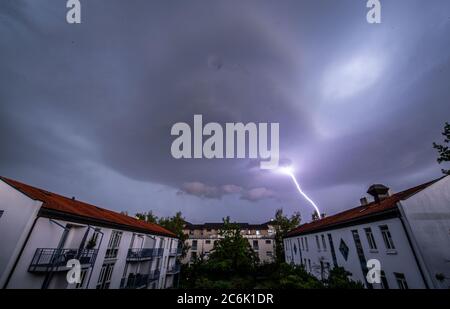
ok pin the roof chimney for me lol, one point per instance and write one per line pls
(363, 201)
(379, 192)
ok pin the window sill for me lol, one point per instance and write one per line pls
(391, 252)
(373, 251)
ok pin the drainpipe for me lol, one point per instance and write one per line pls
(424, 272)
(95, 260)
(5, 286)
(49, 276)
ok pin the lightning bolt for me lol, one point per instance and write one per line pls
(290, 173)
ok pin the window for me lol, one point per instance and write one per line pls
(306, 243)
(317, 243)
(343, 248)
(370, 238)
(258, 232)
(387, 237)
(105, 276)
(194, 245)
(193, 255)
(324, 244)
(80, 284)
(207, 242)
(401, 281)
(384, 283)
(255, 245)
(1, 213)
(303, 244)
(268, 241)
(269, 253)
(113, 245)
(309, 265)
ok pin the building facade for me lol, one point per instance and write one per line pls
(47, 239)
(407, 232)
(202, 238)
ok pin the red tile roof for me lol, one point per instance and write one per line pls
(70, 206)
(358, 213)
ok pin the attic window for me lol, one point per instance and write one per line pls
(1, 213)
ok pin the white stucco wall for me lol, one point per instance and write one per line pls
(15, 223)
(428, 215)
(400, 260)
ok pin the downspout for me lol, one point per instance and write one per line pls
(49, 276)
(5, 286)
(424, 273)
(95, 260)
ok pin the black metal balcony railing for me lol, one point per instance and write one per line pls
(51, 259)
(173, 269)
(138, 254)
(136, 281)
(175, 251)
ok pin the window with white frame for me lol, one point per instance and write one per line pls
(104, 279)
(317, 243)
(383, 279)
(324, 244)
(387, 237)
(83, 276)
(401, 281)
(303, 243)
(370, 238)
(113, 245)
(306, 243)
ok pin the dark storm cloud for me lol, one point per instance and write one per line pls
(356, 103)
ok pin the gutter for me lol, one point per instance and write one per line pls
(5, 286)
(424, 272)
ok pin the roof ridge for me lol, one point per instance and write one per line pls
(65, 204)
(356, 212)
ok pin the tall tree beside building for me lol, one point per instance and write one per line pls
(174, 224)
(443, 150)
(283, 225)
(233, 252)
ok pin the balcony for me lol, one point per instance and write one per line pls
(173, 269)
(175, 251)
(138, 255)
(51, 259)
(139, 281)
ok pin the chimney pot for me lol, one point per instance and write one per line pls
(363, 201)
(379, 192)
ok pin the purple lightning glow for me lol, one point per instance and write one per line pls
(288, 170)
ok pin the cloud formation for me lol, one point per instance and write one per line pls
(357, 103)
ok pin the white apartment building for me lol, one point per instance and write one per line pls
(202, 238)
(41, 231)
(408, 233)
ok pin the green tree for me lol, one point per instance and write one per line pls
(443, 150)
(339, 279)
(147, 216)
(283, 225)
(232, 253)
(174, 224)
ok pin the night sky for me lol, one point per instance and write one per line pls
(86, 110)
